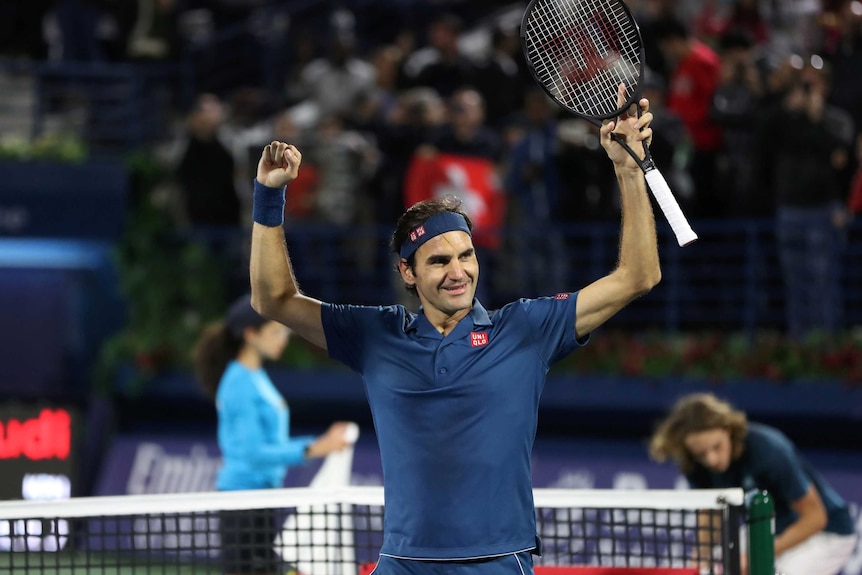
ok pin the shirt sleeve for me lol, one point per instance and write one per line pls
(349, 328)
(777, 457)
(239, 412)
(551, 321)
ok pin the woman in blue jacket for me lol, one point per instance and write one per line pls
(253, 429)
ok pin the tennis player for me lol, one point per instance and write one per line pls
(253, 430)
(454, 389)
(715, 446)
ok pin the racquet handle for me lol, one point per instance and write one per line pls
(672, 212)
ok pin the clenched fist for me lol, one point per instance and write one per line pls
(278, 165)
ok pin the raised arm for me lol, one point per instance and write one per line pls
(637, 270)
(274, 291)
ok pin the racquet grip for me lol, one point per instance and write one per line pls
(669, 206)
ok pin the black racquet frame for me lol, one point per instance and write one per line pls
(657, 184)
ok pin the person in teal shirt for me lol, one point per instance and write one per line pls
(716, 446)
(253, 429)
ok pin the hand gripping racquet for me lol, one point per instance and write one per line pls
(580, 51)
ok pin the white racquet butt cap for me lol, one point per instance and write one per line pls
(351, 433)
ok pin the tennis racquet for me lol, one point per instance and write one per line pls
(580, 51)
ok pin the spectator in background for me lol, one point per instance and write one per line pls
(715, 446)
(502, 77)
(417, 115)
(671, 147)
(842, 30)
(694, 71)
(441, 65)
(793, 27)
(589, 190)
(735, 107)
(206, 168)
(741, 17)
(405, 43)
(467, 132)
(647, 13)
(533, 190)
(249, 122)
(253, 429)
(335, 83)
(464, 160)
(803, 143)
(345, 161)
(533, 178)
(154, 34)
(100, 30)
(73, 31)
(746, 18)
(375, 105)
(301, 51)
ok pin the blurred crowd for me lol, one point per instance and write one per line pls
(726, 83)
(758, 108)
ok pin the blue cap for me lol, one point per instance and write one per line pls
(241, 315)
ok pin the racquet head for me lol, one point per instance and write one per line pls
(580, 51)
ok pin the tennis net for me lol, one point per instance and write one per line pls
(315, 531)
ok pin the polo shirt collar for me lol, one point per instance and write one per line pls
(478, 316)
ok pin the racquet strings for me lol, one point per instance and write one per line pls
(581, 50)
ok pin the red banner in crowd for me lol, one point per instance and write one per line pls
(472, 179)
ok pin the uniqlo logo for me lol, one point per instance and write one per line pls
(478, 338)
(560, 296)
(417, 233)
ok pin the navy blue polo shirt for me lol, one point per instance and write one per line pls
(770, 461)
(455, 418)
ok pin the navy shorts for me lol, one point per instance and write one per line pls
(511, 564)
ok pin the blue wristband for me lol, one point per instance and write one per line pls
(268, 205)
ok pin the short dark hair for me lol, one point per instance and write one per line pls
(416, 215)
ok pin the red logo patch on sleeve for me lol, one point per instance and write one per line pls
(560, 296)
(478, 338)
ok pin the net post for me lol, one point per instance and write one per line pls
(760, 509)
(734, 516)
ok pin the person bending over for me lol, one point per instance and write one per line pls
(716, 446)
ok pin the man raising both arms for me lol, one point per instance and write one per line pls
(454, 390)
